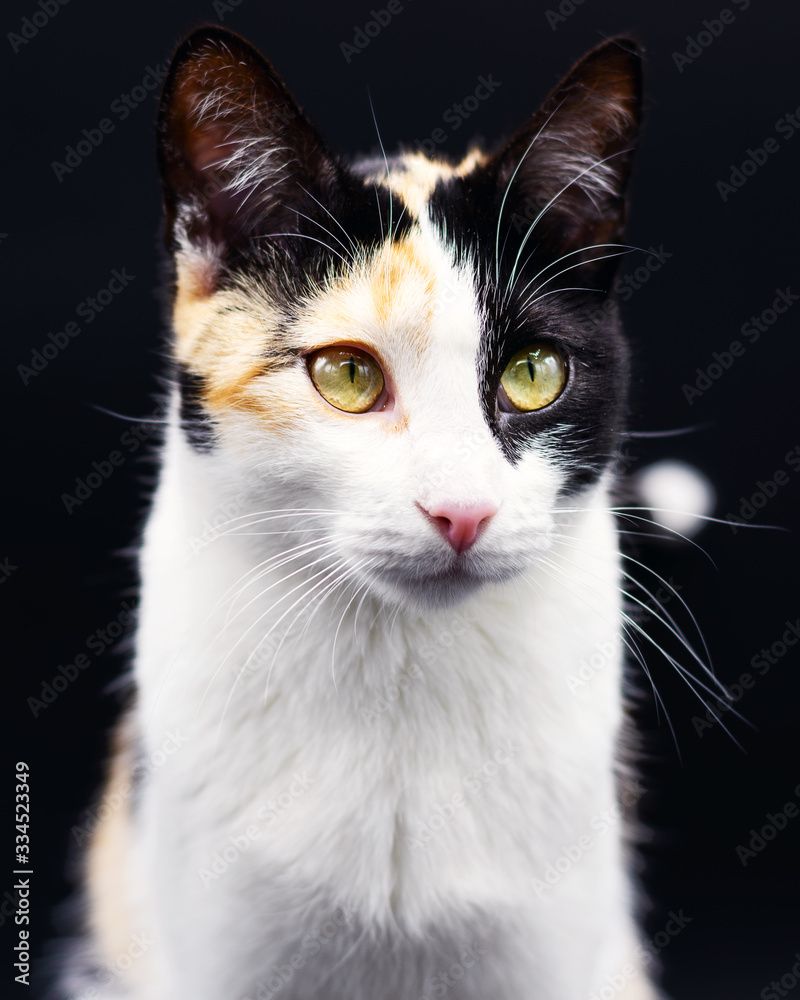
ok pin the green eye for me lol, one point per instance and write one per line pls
(349, 379)
(534, 377)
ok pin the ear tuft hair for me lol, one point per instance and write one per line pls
(237, 155)
(573, 157)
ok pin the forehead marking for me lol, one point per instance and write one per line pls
(416, 177)
(385, 302)
(400, 272)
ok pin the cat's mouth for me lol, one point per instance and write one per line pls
(444, 579)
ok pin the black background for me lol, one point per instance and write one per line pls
(61, 239)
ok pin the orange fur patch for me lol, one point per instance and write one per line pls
(110, 907)
(384, 300)
(226, 338)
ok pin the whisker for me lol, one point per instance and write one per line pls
(623, 512)
(555, 291)
(261, 569)
(333, 236)
(258, 620)
(277, 514)
(349, 239)
(530, 300)
(497, 256)
(620, 634)
(633, 647)
(688, 678)
(246, 666)
(320, 583)
(336, 635)
(380, 213)
(303, 236)
(388, 172)
(358, 609)
(566, 539)
(549, 205)
(399, 220)
(622, 247)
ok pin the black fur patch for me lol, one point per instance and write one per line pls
(196, 422)
(586, 418)
(323, 245)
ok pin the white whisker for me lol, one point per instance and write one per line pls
(508, 189)
(548, 206)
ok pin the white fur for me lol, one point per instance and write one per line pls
(431, 769)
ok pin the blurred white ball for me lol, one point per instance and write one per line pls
(676, 492)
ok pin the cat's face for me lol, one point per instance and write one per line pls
(418, 352)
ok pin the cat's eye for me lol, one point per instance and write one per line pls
(349, 379)
(534, 377)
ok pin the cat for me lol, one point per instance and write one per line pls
(380, 545)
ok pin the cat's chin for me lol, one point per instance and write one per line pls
(437, 588)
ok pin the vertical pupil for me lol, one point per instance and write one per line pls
(352, 368)
(530, 367)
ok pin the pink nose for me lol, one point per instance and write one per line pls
(461, 525)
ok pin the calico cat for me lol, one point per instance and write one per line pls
(380, 544)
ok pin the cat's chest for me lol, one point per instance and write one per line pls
(434, 763)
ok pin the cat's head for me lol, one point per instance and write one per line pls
(421, 350)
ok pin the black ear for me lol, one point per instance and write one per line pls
(238, 157)
(568, 167)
